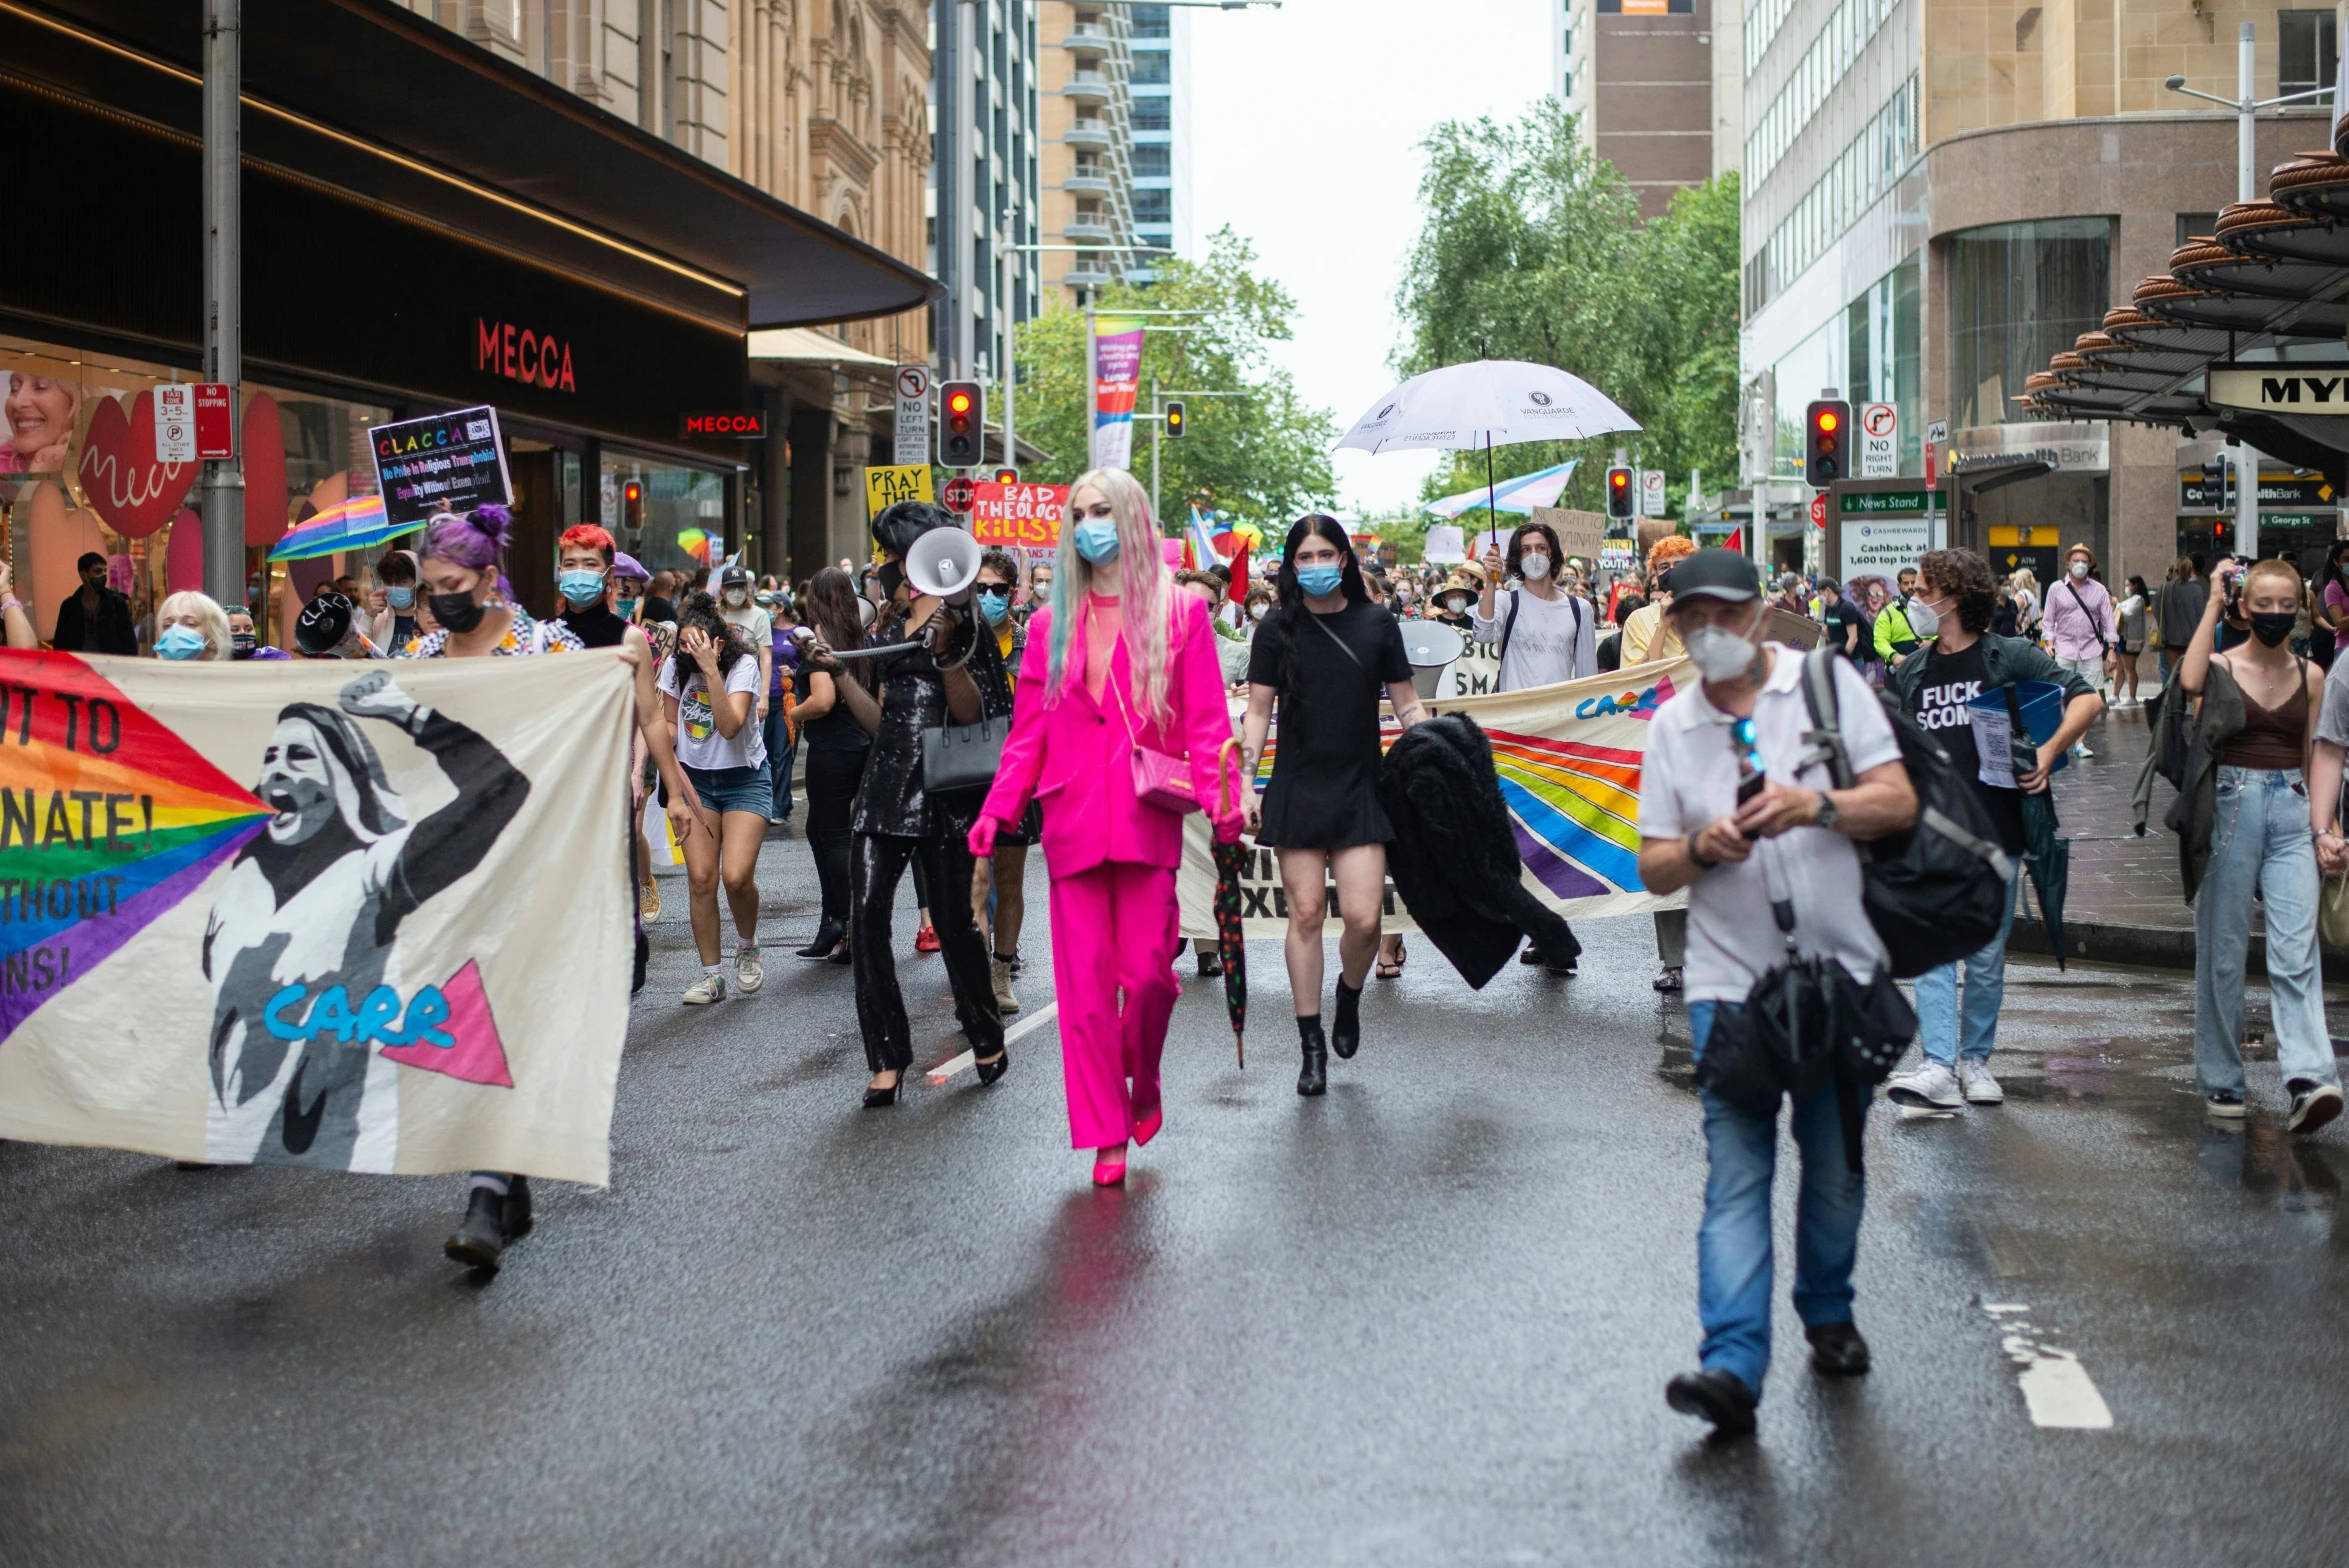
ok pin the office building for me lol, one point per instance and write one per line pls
(1654, 87)
(1088, 146)
(985, 178)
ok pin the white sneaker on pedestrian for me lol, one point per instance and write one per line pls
(1931, 1087)
(2082, 752)
(750, 972)
(1976, 1084)
(708, 989)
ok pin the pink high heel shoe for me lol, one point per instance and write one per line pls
(1147, 1128)
(1109, 1173)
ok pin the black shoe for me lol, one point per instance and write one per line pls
(1837, 1349)
(643, 956)
(518, 1220)
(1313, 1077)
(827, 941)
(839, 955)
(481, 1240)
(1566, 968)
(1210, 963)
(2313, 1105)
(1345, 1029)
(1531, 955)
(989, 1071)
(1716, 1396)
(1667, 979)
(878, 1099)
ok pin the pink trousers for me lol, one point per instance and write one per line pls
(1113, 930)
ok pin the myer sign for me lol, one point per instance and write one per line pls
(2302, 388)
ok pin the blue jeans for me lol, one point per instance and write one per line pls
(1735, 1265)
(1945, 1029)
(781, 754)
(2261, 839)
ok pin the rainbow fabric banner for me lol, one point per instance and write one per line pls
(345, 916)
(1568, 757)
(1117, 382)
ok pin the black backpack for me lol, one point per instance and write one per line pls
(1937, 892)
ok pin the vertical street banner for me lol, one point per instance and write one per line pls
(351, 917)
(1117, 380)
(1568, 758)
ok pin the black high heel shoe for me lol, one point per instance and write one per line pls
(989, 1071)
(828, 940)
(878, 1099)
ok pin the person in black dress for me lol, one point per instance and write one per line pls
(836, 747)
(1326, 655)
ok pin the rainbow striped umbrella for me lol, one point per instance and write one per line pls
(347, 525)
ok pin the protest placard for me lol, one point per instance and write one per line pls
(885, 487)
(1018, 517)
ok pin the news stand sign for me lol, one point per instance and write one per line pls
(1880, 529)
(443, 463)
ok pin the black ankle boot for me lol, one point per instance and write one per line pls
(1313, 1077)
(1345, 1030)
(518, 1219)
(828, 935)
(481, 1239)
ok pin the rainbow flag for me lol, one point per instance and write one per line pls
(107, 819)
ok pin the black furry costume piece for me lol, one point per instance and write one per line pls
(1454, 858)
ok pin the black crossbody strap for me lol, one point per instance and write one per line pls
(1352, 657)
(2103, 643)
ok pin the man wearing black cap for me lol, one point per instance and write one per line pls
(1728, 810)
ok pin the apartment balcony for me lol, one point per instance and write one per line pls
(1089, 183)
(1089, 231)
(1086, 275)
(1088, 87)
(1086, 35)
(1091, 134)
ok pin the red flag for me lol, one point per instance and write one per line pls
(1240, 574)
(1735, 541)
(1190, 556)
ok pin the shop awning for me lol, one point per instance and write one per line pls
(366, 96)
(806, 346)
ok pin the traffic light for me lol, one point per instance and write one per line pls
(1176, 425)
(1826, 442)
(1007, 476)
(632, 505)
(962, 425)
(1621, 502)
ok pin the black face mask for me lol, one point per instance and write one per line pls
(242, 644)
(456, 611)
(2272, 626)
(891, 575)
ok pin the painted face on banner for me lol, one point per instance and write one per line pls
(295, 783)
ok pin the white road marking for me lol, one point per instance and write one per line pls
(2056, 1388)
(967, 1060)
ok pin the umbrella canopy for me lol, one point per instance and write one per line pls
(347, 525)
(2049, 860)
(1486, 403)
(1521, 494)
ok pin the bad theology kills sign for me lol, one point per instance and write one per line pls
(295, 915)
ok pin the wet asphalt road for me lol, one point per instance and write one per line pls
(1425, 1320)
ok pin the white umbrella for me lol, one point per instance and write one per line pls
(1486, 403)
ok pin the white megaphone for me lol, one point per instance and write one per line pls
(1431, 646)
(943, 563)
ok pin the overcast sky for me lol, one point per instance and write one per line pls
(1306, 123)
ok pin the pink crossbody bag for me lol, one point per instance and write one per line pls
(1160, 780)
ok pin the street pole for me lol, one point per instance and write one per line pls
(1092, 391)
(224, 478)
(2246, 185)
(1157, 428)
(1011, 376)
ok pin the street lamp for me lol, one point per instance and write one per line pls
(2246, 107)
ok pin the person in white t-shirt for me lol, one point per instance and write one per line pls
(1546, 634)
(712, 684)
(757, 628)
(1748, 717)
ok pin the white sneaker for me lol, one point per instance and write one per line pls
(1931, 1087)
(708, 989)
(750, 972)
(2081, 751)
(1976, 1084)
(1007, 1001)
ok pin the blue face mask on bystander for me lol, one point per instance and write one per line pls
(1097, 540)
(1320, 581)
(179, 642)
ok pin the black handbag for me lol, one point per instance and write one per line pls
(958, 757)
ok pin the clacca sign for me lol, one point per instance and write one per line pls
(738, 426)
(537, 359)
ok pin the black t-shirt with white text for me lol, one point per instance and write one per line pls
(1952, 681)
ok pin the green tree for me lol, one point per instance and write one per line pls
(1532, 249)
(1262, 454)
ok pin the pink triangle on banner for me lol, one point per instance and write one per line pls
(475, 1054)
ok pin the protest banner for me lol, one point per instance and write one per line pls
(443, 463)
(885, 487)
(345, 916)
(1568, 757)
(1018, 517)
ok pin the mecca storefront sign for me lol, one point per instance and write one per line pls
(355, 295)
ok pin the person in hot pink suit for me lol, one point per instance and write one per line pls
(1117, 661)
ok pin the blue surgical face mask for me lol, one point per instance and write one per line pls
(400, 598)
(179, 642)
(1097, 540)
(1320, 581)
(993, 608)
(627, 609)
(581, 589)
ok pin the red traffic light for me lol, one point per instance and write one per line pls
(960, 403)
(632, 492)
(1828, 420)
(1007, 476)
(1619, 479)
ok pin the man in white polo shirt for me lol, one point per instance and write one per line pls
(1748, 717)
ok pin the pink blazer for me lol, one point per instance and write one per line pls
(1074, 754)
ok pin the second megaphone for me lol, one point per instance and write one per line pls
(943, 563)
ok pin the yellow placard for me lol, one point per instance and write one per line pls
(885, 487)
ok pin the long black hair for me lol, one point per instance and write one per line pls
(699, 609)
(830, 606)
(1287, 620)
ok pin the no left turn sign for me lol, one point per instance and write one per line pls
(913, 381)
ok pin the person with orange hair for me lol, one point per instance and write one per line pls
(1648, 635)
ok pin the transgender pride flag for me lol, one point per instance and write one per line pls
(1117, 377)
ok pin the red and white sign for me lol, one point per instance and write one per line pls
(958, 494)
(1879, 441)
(216, 420)
(1819, 510)
(175, 423)
(1024, 517)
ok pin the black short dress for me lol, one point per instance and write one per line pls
(1324, 790)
